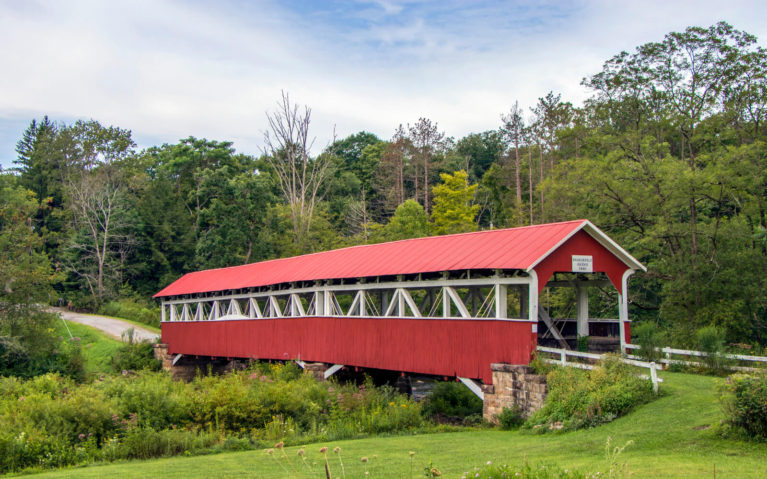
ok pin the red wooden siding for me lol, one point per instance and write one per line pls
(463, 348)
(581, 243)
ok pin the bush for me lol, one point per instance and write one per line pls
(134, 310)
(744, 398)
(511, 418)
(51, 421)
(650, 338)
(711, 341)
(452, 400)
(135, 356)
(579, 398)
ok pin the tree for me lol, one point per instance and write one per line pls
(427, 142)
(236, 223)
(25, 338)
(40, 168)
(389, 178)
(95, 192)
(513, 130)
(408, 221)
(454, 208)
(287, 150)
(476, 152)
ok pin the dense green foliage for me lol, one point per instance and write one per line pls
(50, 421)
(673, 437)
(582, 398)
(134, 355)
(452, 400)
(668, 157)
(744, 398)
(134, 310)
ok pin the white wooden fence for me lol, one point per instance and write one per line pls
(668, 352)
(575, 355)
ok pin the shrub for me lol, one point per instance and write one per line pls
(711, 341)
(135, 355)
(51, 421)
(511, 418)
(650, 338)
(579, 398)
(744, 399)
(132, 309)
(451, 399)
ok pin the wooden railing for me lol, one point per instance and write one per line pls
(578, 357)
(669, 352)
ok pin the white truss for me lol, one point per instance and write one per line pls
(470, 298)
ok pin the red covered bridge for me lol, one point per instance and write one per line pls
(446, 305)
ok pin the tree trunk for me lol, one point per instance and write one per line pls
(517, 181)
(530, 173)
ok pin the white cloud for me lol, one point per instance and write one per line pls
(168, 69)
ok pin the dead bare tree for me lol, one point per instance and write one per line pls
(287, 145)
(96, 201)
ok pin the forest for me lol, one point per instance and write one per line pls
(667, 156)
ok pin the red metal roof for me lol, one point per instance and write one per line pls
(514, 248)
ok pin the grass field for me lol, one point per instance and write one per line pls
(98, 348)
(672, 437)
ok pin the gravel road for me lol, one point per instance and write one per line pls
(112, 326)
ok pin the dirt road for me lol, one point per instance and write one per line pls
(112, 326)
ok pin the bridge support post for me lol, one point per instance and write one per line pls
(514, 386)
(321, 371)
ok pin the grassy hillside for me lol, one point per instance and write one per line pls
(98, 348)
(672, 438)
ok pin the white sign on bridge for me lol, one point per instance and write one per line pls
(583, 264)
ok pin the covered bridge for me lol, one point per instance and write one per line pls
(445, 305)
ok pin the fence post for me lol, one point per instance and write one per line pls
(563, 357)
(654, 377)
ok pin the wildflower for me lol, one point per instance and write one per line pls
(375, 456)
(412, 453)
(270, 451)
(323, 450)
(331, 389)
(336, 449)
(488, 463)
(21, 398)
(364, 459)
(301, 452)
(81, 436)
(279, 445)
(435, 472)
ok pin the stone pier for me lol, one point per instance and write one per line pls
(513, 386)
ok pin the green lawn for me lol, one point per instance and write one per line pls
(671, 439)
(98, 348)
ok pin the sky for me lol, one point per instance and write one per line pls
(170, 69)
